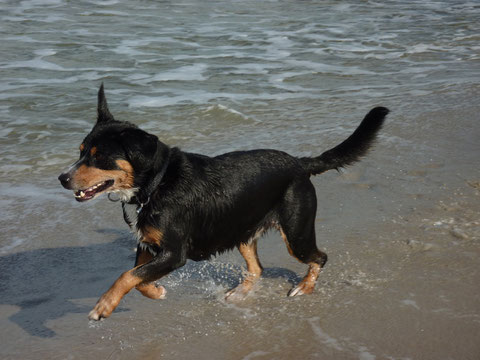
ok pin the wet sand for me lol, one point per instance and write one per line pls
(402, 233)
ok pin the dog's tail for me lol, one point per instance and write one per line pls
(352, 149)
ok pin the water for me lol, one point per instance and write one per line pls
(401, 228)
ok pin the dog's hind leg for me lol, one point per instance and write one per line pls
(297, 227)
(254, 268)
(315, 259)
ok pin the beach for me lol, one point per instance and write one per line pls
(401, 228)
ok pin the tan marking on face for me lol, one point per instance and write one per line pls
(152, 235)
(93, 151)
(126, 179)
(82, 146)
(87, 176)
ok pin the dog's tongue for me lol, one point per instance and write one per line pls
(83, 195)
(87, 194)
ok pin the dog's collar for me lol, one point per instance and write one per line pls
(143, 196)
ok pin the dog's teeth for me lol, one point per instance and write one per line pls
(82, 194)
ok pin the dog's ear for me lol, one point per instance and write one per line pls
(103, 114)
(140, 147)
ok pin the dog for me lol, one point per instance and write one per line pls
(191, 206)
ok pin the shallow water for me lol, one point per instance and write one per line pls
(401, 228)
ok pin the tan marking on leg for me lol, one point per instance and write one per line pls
(149, 290)
(307, 285)
(249, 253)
(110, 300)
(290, 251)
(151, 235)
(254, 268)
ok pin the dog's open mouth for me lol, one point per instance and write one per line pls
(92, 191)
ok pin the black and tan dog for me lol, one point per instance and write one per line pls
(192, 206)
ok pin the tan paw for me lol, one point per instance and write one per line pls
(152, 291)
(302, 289)
(103, 309)
(239, 293)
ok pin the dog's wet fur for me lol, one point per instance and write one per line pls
(193, 206)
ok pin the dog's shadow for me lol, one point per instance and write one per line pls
(45, 283)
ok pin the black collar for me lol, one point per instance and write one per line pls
(143, 196)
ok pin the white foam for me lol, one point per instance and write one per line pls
(45, 52)
(255, 354)
(36, 63)
(28, 4)
(365, 354)
(128, 46)
(104, 2)
(184, 73)
(324, 338)
(15, 242)
(252, 68)
(410, 302)
(319, 67)
(204, 97)
(421, 48)
(229, 110)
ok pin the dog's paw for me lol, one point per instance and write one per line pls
(239, 293)
(104, 308)
(301, 289)
(235, 295)
(152, 291)
(159, 293)
(100, 311)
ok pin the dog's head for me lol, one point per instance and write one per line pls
(116, 156)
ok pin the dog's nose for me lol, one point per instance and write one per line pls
(65, 180)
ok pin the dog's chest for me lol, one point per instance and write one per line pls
(130, 216)
(149, 238)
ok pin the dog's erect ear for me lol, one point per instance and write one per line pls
(103, 114)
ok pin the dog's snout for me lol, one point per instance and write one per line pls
(65, 180)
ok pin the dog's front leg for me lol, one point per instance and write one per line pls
(150, 290)
(110, 300)
(160, 265)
